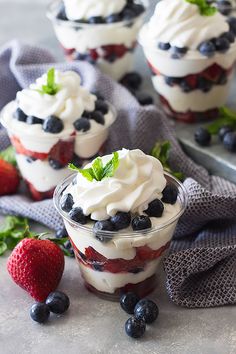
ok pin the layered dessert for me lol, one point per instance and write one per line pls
(53, 122)
(191, 52)
(102, 32)
(226, 7)
(120, 212)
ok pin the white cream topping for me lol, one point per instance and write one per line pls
(138, 180)
(84, 9)
(68, 103)
(180, 23)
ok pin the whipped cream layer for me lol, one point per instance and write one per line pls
(138, 180)
(180, 23)
(84, 9)
(67, 104)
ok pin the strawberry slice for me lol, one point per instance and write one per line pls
(93, 54)
(191, 81)
(62, 151)
(212, 73)
(20, 149)
(36, 195)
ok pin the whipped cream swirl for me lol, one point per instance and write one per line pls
(180, 23)
(68, 103)
(138, 180)
(84, 9)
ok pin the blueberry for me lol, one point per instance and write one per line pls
(99, 96)
(229, 36)
(76, 214)
(81, 56)
(224, 7)
(56, 165)
(96, 20)
(128, 14)
(169, 194)
(141, 222)
(61, 233)
(143, 98)
(224, 130)
(146, 310)
(113, 18)
(229, 141)
(101, 106)
(232, 25)
(132, 80)
(86, 114)
(98, 117)
(178, 52)
(164, 46)
(204, 84)
(202, 136)
(30, 159)
(34, 120)
(100, 226)
(135, 328)
(185, 87)
(20, 115)
(58, 302)
(121, 220)
(136, 270)
(207, 48)
(171, 81)
(82, 124)
(137, 8)
(67, 202)
(98, 267)
(39, 312)
(155, 208)
(222, 44)
(128, 302)
(53, 125)
(77, 161)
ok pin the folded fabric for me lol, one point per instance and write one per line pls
(201, 264)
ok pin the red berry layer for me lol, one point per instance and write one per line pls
(96, 261)
(189, 116)
(38, 196)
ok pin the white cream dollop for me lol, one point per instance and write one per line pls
(180, 23)
(84, 9)
(68, 103)
(138, 180)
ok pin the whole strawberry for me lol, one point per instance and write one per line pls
(9, 178)
(36, 266)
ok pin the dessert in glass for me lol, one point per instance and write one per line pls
(191, 52)
(103, 32)
(120, 212)
(53, 122)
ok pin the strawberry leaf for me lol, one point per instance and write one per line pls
(9, 155)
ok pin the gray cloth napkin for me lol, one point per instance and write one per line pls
(201, 265)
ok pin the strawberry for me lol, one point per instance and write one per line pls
(63, 151)
(9, 178)
(21, 150)
(36, 195)
(36, 266)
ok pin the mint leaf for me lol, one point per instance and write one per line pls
(9, 155)
(226, 117)
(97, 171)
(111, 166)
(51, 88)
(3, 247)
(205, 9)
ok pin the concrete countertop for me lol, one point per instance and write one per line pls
(93, 325)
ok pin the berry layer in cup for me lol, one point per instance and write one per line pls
(120, 223)
(102, 32)
(191, 56)
(50, 129)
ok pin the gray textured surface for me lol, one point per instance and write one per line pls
(93, 325)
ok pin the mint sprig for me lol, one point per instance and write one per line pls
(97, 171)
(51, 88)
(225, 117)
(8, 155)
(161, 151)
(204, 8)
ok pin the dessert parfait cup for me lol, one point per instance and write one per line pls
(192, 88)
(110, 46)
(43, 158)
(123, 261)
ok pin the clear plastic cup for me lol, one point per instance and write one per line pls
(43, 160)
(123, 261)
(110, 46)
(193, 87)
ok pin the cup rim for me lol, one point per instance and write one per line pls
(73, 24)
(61, 135)
(110, 234)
